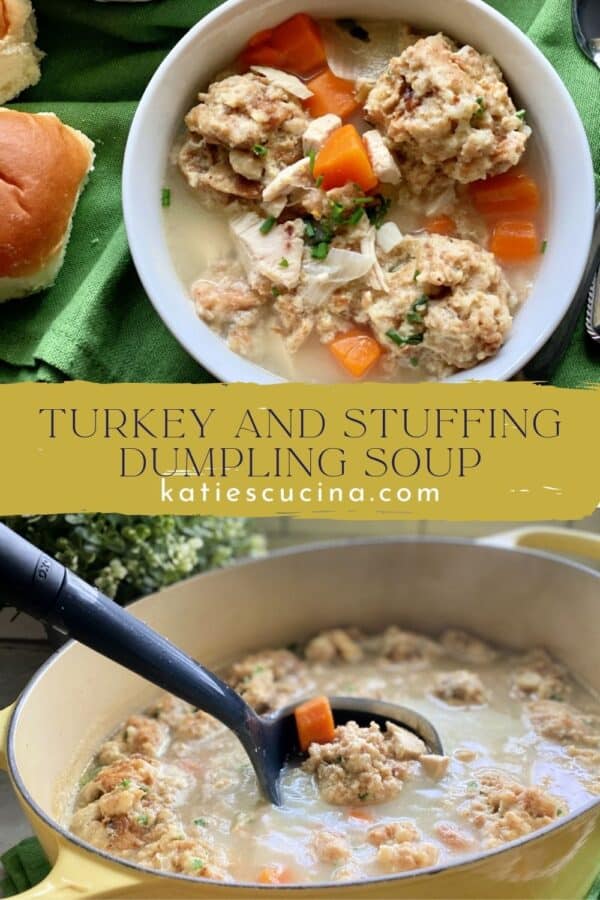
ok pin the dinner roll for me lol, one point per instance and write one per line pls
(19, 57)
(43, 167)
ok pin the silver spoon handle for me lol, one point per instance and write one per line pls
(592, 319)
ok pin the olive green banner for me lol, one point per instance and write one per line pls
(453, 452)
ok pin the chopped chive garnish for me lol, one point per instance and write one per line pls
(126, 783)
(275, 291)
(143, 819)
(312, 155)
(201, 822)
(544, 247)
(259, 150)
(521, 113)
(283, 263)
(401, 340)
(197, 863)
(415, 313)
(337, 211)
(320, 251)
(481, 104)
(356, 216)
(414, 361)
(378, 209)
(267, 225)
(416, 275)
(165, 197)
(319, 181)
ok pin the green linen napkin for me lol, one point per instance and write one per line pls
(96, 322)
(25, 866)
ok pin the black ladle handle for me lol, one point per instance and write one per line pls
(36, 584)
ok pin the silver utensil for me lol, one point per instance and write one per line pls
(592, 277)
(586, 27)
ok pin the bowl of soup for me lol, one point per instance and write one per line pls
(310, 195)
(135, 794)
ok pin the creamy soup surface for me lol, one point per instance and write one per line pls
(405, 260)
(172, 788)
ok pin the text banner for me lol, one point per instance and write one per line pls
(480, 451)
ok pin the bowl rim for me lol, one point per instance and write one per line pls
(317, 546)
(210, 350)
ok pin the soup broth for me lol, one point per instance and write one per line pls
(173, 789)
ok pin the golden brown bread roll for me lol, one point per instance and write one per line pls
(19, 57)
(43, 167)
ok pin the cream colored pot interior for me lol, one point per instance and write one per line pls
(515, 598)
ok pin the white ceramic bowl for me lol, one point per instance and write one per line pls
(217, 39)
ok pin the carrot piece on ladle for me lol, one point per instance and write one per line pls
(314, 721)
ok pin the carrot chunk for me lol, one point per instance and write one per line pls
(440, 225)
(331, 95)
(508, 194)
(357, 351)
(343, 159)
(314, 721)
(300, 40)
(262, 55)
(355, 812)
(295, 45)
(261, 37)
(275, 875)
(515, 240)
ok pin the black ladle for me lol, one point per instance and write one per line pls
(36, 584)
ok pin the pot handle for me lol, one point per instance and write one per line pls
(73, 876)
(564, 541)
(5, 716)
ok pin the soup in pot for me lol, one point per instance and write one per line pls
(172, 788)
(353, 200)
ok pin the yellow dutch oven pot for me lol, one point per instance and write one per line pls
(515, 596)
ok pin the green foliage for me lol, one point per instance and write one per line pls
(130, 556)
